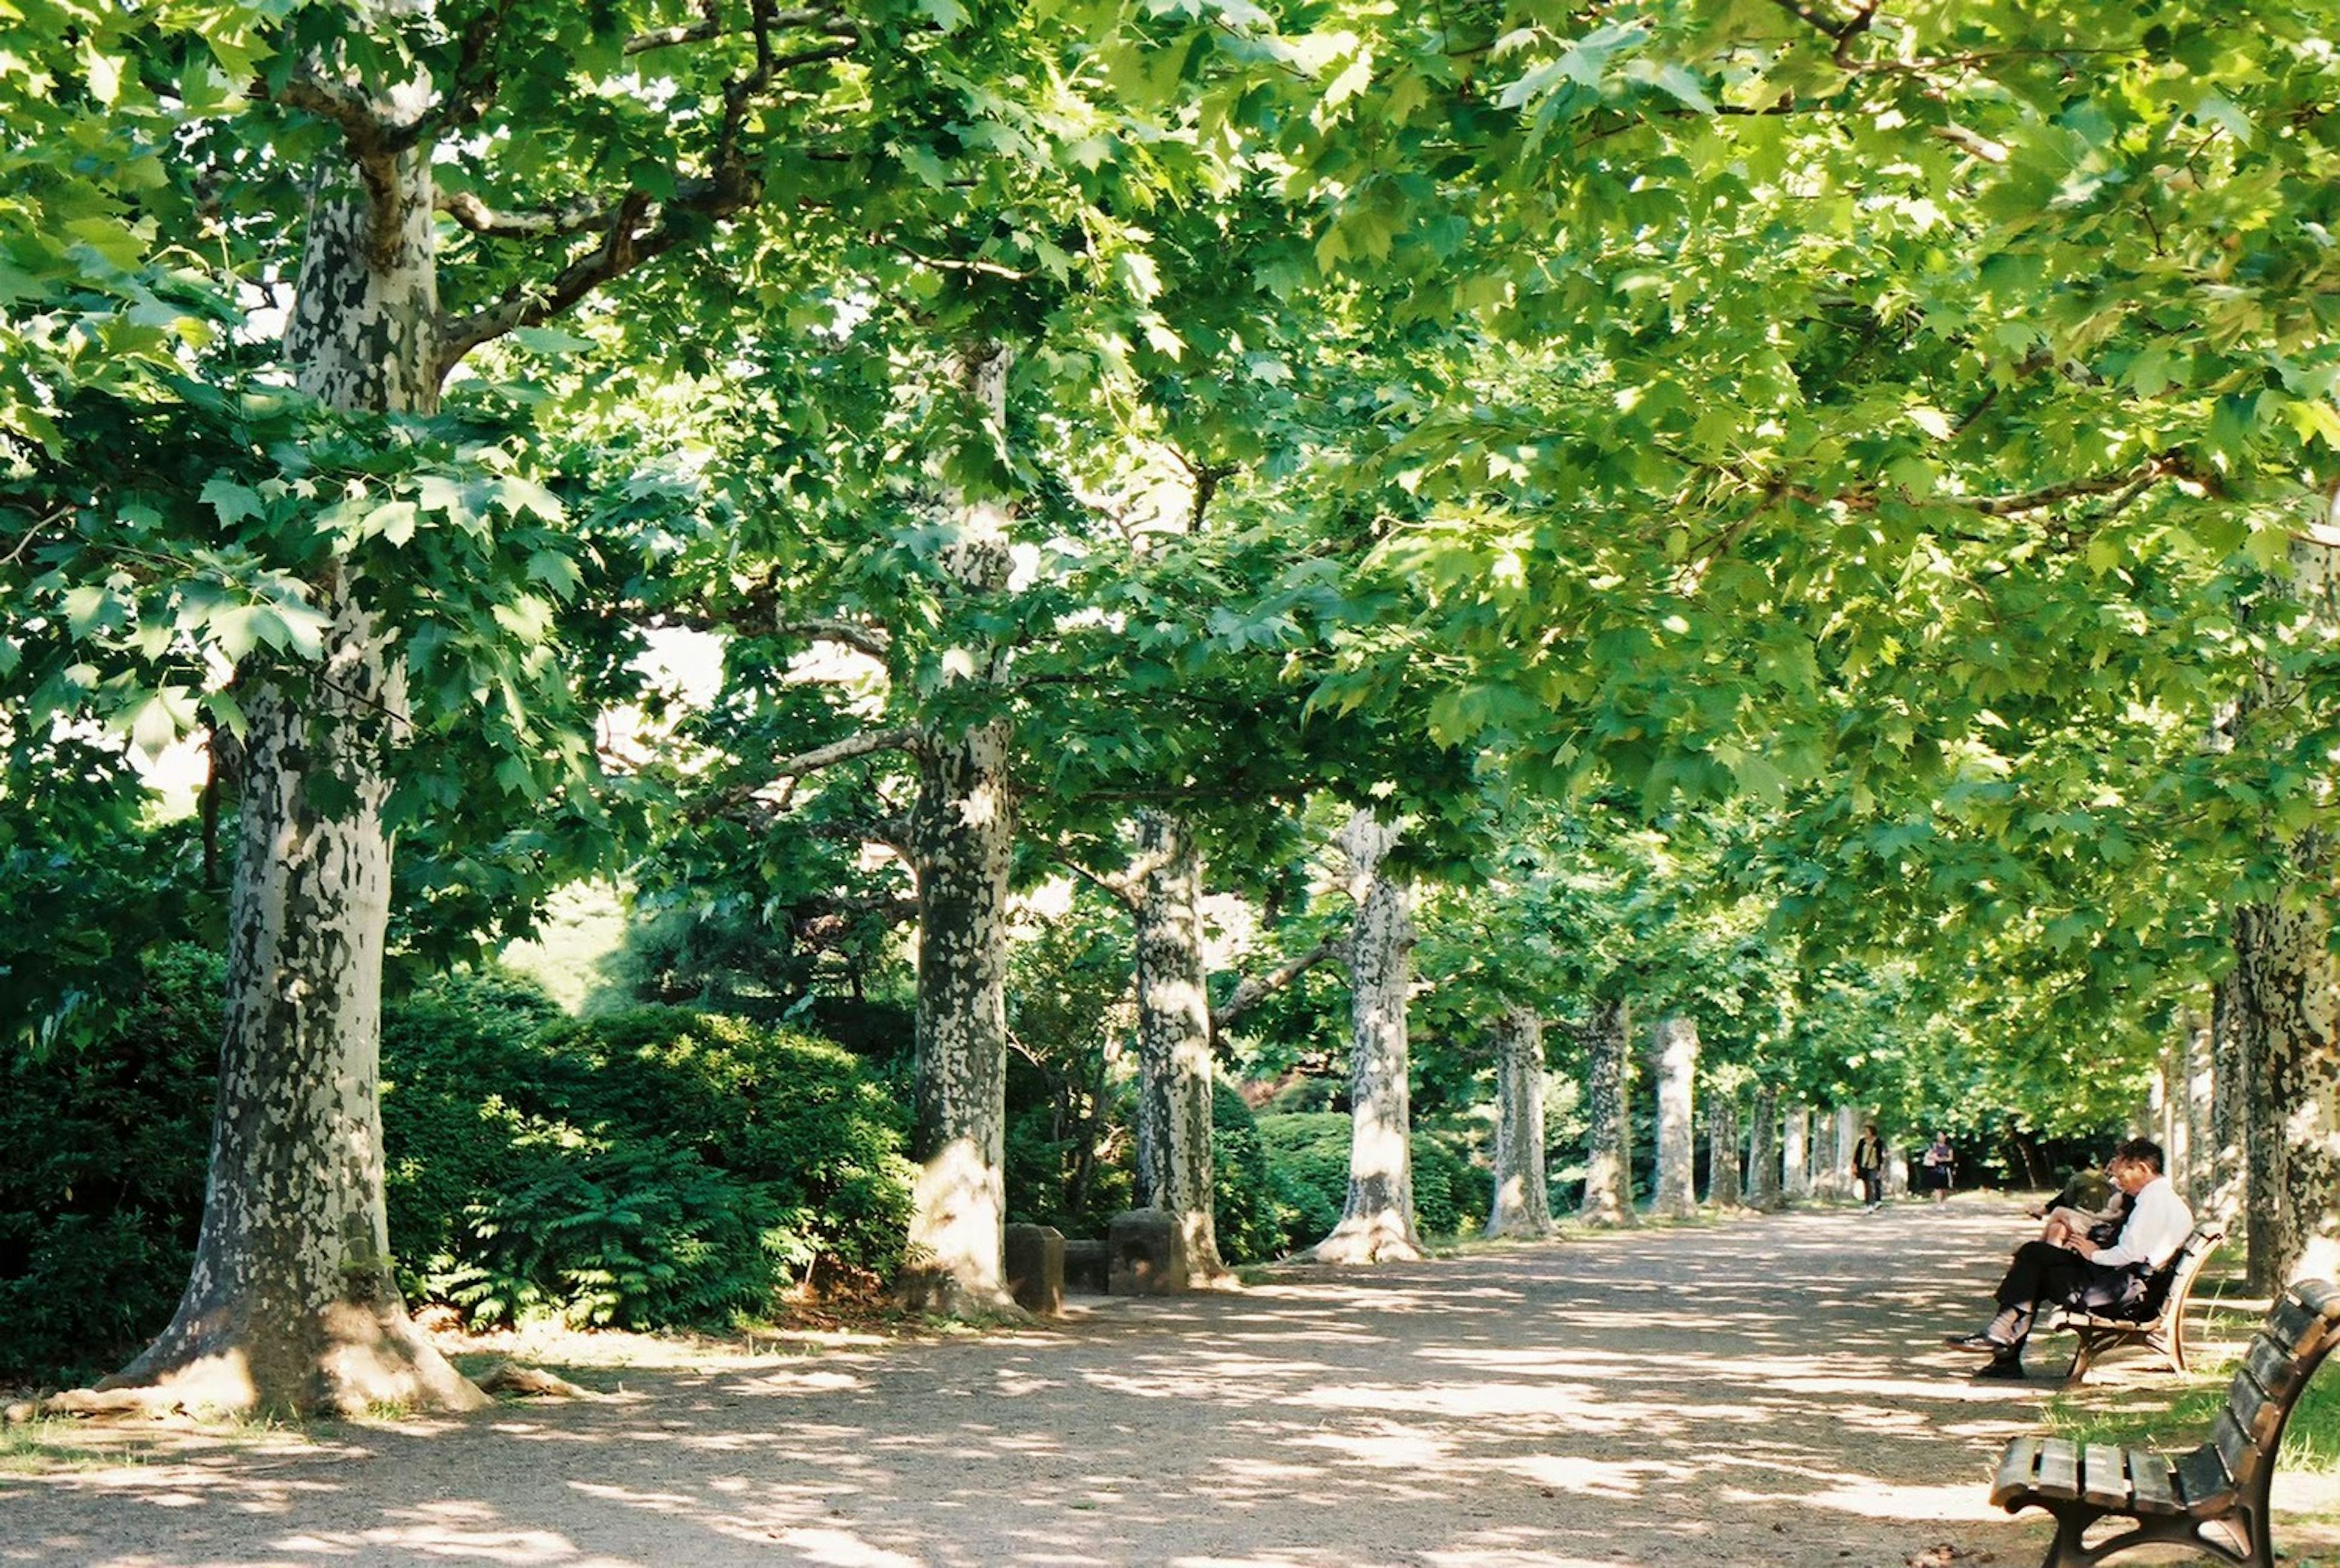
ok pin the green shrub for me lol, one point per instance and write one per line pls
(1243, 1209)
(102, 1187)
(653, 1167)
(1308, 1160)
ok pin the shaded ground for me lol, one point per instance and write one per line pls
(1759, 1391)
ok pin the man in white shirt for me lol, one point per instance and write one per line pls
(2076, 1271)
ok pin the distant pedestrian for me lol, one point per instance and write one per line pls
(1869, 1168)
(1936, 1167)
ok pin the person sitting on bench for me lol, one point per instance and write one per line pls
(2079, 1272)
(2089, 1206)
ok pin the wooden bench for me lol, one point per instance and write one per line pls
(2159, 1324)
(2214, 1499)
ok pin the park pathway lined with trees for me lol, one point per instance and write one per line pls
(1766, 1391)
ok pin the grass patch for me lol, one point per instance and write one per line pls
(2179, 1419)
(43, 1447)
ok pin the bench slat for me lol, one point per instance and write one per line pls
(2243, 1457)
(2018, 1469)
(2059, 1470)
(2203, 1484)
(2294, 1325)
(2103, 1475)
(2153, 1479)
(2254, 1409)
(2269, 1367)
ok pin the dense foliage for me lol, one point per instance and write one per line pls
(656, 1166)
(104, 1184)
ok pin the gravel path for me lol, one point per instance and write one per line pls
(1757, 1392)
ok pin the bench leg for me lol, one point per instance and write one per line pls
(2084, 1351)
(2236, 1538)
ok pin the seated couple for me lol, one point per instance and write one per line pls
(2074, 1270)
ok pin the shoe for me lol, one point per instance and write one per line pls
(1974, 1342)
(2003, 1368)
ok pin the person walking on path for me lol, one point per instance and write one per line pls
(2079, 1272)
(1869, 1168)
(1934, 1167)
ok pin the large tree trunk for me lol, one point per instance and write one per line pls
(1795, 1153)
(1763, 1152)
(1609, 1109)
(2229, 1162)
(1673, 1050)
(1522, 1205)
(1377, 1225)
(2199, 1090)
(2290, 1012)
(1174, 1043)
(292, 1305)
(962, 839)
(1723, 1152)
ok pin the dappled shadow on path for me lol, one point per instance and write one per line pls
(1756, 1391)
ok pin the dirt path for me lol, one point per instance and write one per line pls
(1761, 1391)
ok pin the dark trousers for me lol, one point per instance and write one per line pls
(2045, 1273)
(1873, 1184)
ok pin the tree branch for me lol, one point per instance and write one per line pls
(873, 641)
(575, 217)
(1253, 989)
(861, 745)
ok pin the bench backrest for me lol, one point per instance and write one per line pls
(2175, 1283)
(2301, 1330)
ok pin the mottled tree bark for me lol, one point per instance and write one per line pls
(1763, 1185)
(291, 1304)
(2289, 1010)
(1795, 1153)
(1377, 1224)
(1722, 1190)
(1844, 1131)
(1522, 1204)
(2200, 1089)
(962, 837)
(1608, 1107)
(1174, 1041)
(2229, 1153)
(1673, 1050)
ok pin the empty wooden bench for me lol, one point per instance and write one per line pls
(2159, 1322)
(2214, 1499)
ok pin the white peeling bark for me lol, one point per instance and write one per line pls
(1175, 1074)
(1763, 1187)
(1607, 1105)
(2199, 1091)
(1377, 1224)
(2229, 1152)
(1795, 1153)
(1522, 1204)
(1722, 1189)
(292, 1305)
(962, 838)
(1673, 1050)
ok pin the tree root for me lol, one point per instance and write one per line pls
(509, 1377)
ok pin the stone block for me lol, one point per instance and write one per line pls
(1035, 1268)
(1145, 1255)
(1085, 1268)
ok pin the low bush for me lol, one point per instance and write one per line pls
(654, 1167)
(1243, 1208)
